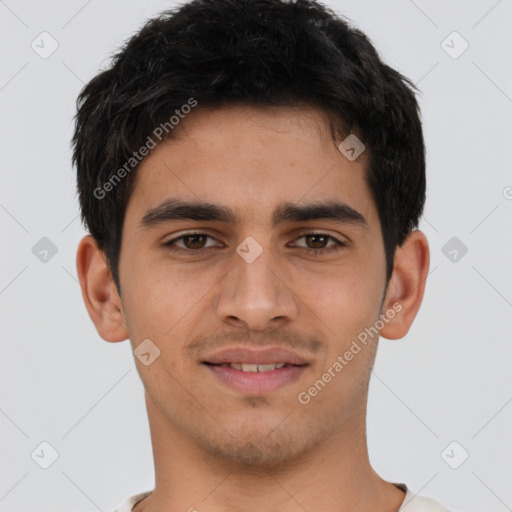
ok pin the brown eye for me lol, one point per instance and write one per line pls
(317, 243)
(191, 243)
(194, 241)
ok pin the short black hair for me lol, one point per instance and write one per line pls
(256, 52)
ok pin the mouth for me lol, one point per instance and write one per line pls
(255, 372)
(259, 356)
(250, 367)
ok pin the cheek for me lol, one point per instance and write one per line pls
(346, 307)
(160, 310)
(347, 303)
(142, 301)
(163, 301)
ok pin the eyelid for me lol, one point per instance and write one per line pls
(338, 243)
(314, 231)
(188, 233)
(300, 234)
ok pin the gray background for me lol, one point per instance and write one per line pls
(448, 380)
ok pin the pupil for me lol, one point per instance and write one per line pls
(195, 240)
(317, 236)
(194, 237)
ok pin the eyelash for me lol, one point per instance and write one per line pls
(333, 248)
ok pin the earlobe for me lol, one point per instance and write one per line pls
(407, 285)
(99, 291)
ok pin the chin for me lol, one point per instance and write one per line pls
(261, 449)
(254, 455)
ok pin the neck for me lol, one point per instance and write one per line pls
(334, 476)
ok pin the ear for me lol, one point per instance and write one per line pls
(407, 285)
(99, 292)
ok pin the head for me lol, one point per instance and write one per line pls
(220, 123)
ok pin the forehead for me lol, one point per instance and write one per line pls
(251, 159)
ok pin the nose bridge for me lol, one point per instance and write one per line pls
(254, 269)
(252, 291)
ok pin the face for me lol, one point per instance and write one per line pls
(259, 277)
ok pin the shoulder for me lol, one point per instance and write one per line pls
(421, 504)
(128, 504)
(416, 503)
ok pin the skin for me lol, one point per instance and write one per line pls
(217, 449)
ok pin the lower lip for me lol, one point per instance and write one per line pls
(256, 383)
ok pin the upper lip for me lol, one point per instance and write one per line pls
(262, 355)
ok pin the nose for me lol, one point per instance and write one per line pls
(257, 293)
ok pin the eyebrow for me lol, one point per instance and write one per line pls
(177, 209)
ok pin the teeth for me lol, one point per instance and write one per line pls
(256, 367)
